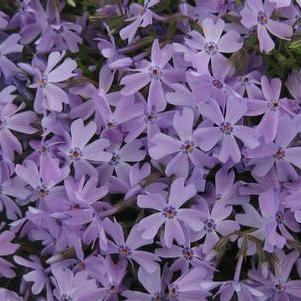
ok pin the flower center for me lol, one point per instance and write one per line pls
(58, 28)
(279, 287)
(111, 124)
(262, 18)
(211, 48)
(188, 147)
(75, 207)
(115, 159)
(217, 84)
(42, 191)
(151, 116)
(169, 212)
(156, 72)
(245, 79)
(42, 81)
(187, 253)
(209, 225)
(172, 292)
(124, 251)
(274, 104)
(226, 128)
(279, 154)
(280, 217)
(43, 149)
(75, 153)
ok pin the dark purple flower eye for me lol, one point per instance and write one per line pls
(169, 212)
(279, 287)
(209, 225)
(226, 128)
(262, 18)
(75, 153)
(124, 251)
(188, 253)
(211, 48)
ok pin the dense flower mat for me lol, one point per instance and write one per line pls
(150, 150)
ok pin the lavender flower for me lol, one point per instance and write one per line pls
(11, 120)
(7, 248)
(170, 214)
(278, 285)
(78, 152)
(127, 249)
(259, 14)
(186, 148)
(141, 17)
(49, 95)
(8, 46)
(154, 73)
(75, 287)
(210, 48)
(150, 150)
(226, 129)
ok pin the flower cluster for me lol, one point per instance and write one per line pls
(150, 150)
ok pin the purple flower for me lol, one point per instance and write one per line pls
(121, 156)
(6, 96)
(225, 129)
(115, 58)
(225, 190)
(10, 189)
(153, 284)
(150, 121)
(49, 95)
(278, 286)
(60, 36)
(75, 287)
(271, 221)
(209, 48)
(170, 214)
(126, 109)
(258, 13)
(185, 256)
(281, 153)
(129, 183)
(8, 46)
(11, 120)
(7, 248)
(42, 180)
(188, 286)
(38, 275)
(214, 222)
(127, 249)
(154, 73)
(141, 17)
(242, 290)
(78, 206)
(79, 153)
(271, 105)
(108, 274)
(156, 160)
(185, 148)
